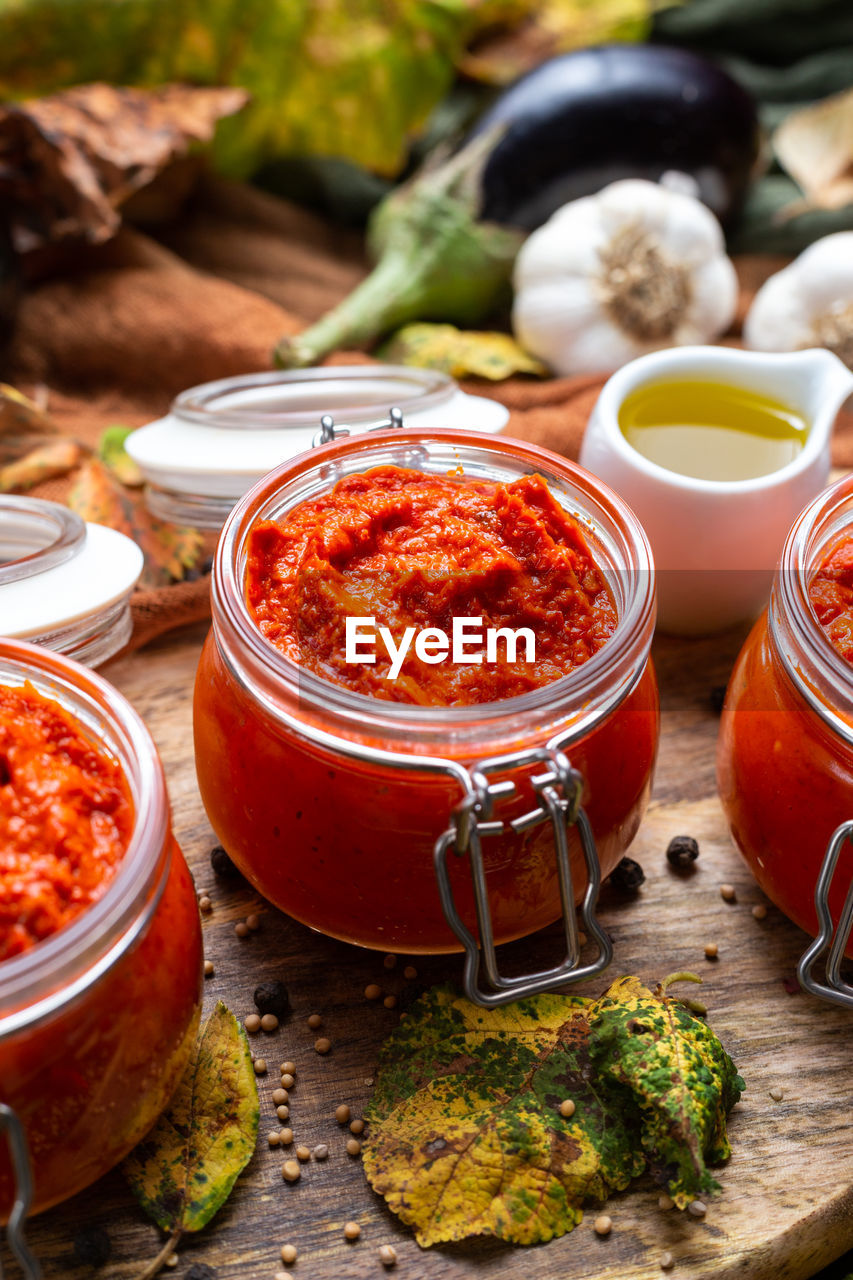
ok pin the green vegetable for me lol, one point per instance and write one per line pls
(434, 260)
(467, 1135)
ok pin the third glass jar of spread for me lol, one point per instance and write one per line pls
(359, 789)
(785, 755)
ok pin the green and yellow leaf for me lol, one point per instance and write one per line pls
(462, 353)
(185, 1168)
(112, 452)
(466, 1135)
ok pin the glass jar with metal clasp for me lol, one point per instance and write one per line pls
(423, 828)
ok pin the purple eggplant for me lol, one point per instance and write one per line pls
(584, 119)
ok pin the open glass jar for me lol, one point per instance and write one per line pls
(348, 811)
(785, 753)
(97, 1021)
(65, 583)
(219, 438)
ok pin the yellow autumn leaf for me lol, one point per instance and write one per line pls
(467, 1135)
(183, 1171)
(462, 353)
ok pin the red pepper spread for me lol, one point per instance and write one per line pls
(66, 818)
(411, 549)
(831, 594)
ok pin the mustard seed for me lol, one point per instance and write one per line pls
(208, 969)
(283, 1112)
(303, 1153)
(252, 1023)
(273, 1139)
(171, 1262)
(759, 911)
(279, 1096)
(353, 1147)
(697, 1208)
(342, 1113)
(410, 972)
(288, 1068)
(352, 1231)
(269, 1022)
(388, 1255)
(321, 1151)
(286, 1137)
(667, 1262)
(776, 1094)
(260, 1066)
(287, 1080)
(357, 1127)
(665, 1202)
(389, 961)
(289, 1253)
(290, 1171)
(205, 905)
(390, 1002)
(729, 894)
(241, 929)
(372, 991)
(711, 950)
(322, 1045)
(603, 1225)
(253, 922)
(567, 1108)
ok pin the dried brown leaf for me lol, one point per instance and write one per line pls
(169, 551)
(815, 145)
(45, 462)
(69, 161)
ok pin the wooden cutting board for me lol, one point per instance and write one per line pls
(786, 1208)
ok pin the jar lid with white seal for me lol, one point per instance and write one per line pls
(65, 583)
(219, 438)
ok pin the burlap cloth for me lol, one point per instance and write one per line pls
(135, 321)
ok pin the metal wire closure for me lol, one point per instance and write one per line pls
(835, 988)
(329, 431)
(11, 1126)
(559, 789)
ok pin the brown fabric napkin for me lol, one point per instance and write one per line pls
(133, 322)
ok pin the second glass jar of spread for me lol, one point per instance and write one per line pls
(344, 795)
(785, 753)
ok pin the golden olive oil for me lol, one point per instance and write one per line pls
(711, 430)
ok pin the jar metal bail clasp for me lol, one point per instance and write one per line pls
(835, 988)
(11, 1126)
(559, 789)
(330, 431)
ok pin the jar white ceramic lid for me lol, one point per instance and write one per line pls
(219, 438)
(64, 583)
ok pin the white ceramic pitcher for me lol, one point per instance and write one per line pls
(716, 543)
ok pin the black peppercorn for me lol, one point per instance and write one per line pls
(200, 1271)
(682, 852)
(718, 697)
(272, 997)
(222, 864)
(92, 1247)
(627, 876)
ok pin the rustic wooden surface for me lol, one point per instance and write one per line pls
(786, 1208)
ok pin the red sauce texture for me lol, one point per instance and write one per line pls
(66, 817)
(416, 550)
(831, 595)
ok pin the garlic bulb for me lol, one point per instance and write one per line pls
(612, 276)
(808, 303)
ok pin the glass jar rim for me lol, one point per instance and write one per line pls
(53, 534)
(812, 662)
(429, 387)
(269, 672)
(57, 969)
